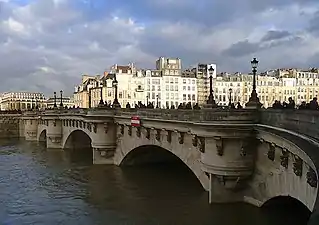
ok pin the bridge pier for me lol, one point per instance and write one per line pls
(54, 133)
(31, 129)
(229, 161)
(104, 143)
(22, 125)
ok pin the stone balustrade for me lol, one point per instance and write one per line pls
(227, 116)
(305, 122)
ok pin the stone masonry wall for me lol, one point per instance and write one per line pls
(9, 126)
(304, 122)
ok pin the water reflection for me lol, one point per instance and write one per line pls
(41, 186)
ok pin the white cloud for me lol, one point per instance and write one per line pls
(49, 44)
(15, 26)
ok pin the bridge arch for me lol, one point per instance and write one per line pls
(288, 205)
(77, 139)
(43, 136)
(141, 151)
(275, 183)
(41, 131)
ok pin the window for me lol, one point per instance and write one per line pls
(172, 95)
(184, 81)
(193, 88)
(184, 97)
(167, 88)
(193, 81)
(193, 97)
(184, 88)
(176, 87)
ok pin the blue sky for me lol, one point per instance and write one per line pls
(48, 44)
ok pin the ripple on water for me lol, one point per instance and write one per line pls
(45, 187)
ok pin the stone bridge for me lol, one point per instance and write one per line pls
(237, 155)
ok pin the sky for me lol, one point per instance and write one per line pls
(46, 45)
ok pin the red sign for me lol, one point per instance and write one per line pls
(135, 121)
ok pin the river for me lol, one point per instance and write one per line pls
(39, 186)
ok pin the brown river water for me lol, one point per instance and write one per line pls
(39, 186)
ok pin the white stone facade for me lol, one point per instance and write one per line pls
(22, 100)
(166, 86)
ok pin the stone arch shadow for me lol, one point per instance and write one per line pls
(43, 136)
(152, 154)
(42, 133)
(290, 205)
(78, 147)
(77, 139)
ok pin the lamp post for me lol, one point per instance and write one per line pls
(211, 100)
(157, 106)
(147, 100)
(254, 100)
(101, 95)
(230, 92)
(116, 103)
(61, 101)
(55, 105)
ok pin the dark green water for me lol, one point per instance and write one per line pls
(38, 186)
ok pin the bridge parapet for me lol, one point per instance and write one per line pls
(207, 115)
(304, 122)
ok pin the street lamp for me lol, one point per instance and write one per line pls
(116, 103)
(54, 106)
(61, 102)
(157, 106)
(254, 100)
(211, 100)
(101, 96)
(147, 99)
(230, 92)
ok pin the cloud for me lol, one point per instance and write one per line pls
(47, 45)
(275, 35)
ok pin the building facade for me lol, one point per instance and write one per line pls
(22, 100)
(203, 73)
(83, 91)
(273, 85)
(66, 101)
(165, 86)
